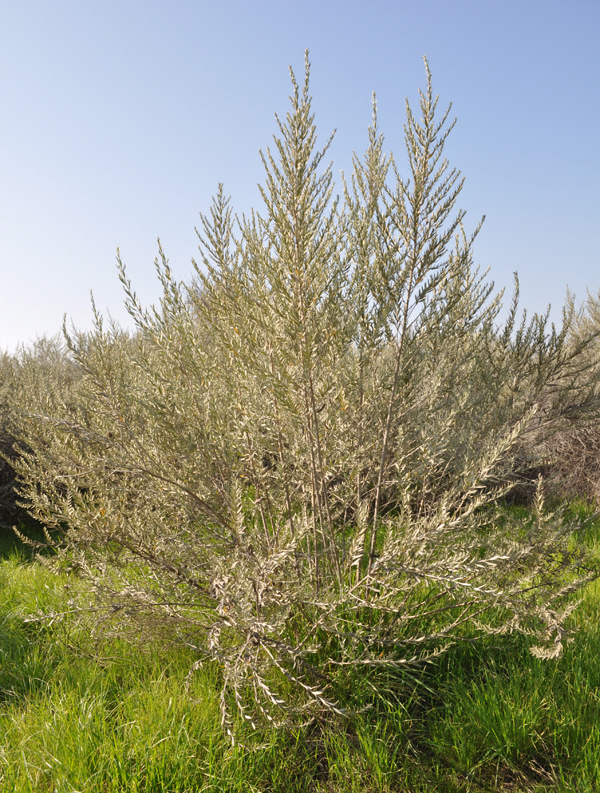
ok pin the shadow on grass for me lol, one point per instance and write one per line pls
(12, 545)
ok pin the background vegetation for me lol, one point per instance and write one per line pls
(323, 501)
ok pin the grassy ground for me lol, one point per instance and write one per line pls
(74, 717)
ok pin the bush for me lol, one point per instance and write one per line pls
(43, 372)
(293, 465)
(573, 451)
(6, 471)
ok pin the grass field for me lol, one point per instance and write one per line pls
(79, 717)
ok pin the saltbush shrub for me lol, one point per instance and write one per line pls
(292, 464)
(572, 452)
(7, 492)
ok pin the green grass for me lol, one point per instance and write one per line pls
(75, 717)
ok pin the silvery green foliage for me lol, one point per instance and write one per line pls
(6, 440)
(293, 466)
(572, 451)
(43, 372)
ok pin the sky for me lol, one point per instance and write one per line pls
(118, 120)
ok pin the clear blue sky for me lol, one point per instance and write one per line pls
(119, 118)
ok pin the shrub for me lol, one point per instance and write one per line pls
(6, 471)
(293, 465)
(573, 451)
(46, 374)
